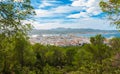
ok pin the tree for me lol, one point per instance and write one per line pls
(115, 43)
(112, 8)
(23, 53)
(6, 53)
(12, 14)
(70, 53)
(40, 52)
(99, 50)
(91, 57)
(97, 40)
(12, 28)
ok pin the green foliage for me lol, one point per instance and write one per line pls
(112, 8)
(115, 43)
(15, 50)
(19, 56)
(12, 15)
(97, 40)
(95, 58)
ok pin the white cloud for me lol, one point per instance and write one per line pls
(92, 3)
(18, 0)
(44, 4)
(65, 9)
(85, 9)
(93, 10)
(48, 25)
(78, 23)
(91, 7)
(60, 10)
(79, 15)
(42, 13)
(79, 3)
(72, 23)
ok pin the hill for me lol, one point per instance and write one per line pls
(70, 30)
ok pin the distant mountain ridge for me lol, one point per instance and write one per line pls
(71, 30)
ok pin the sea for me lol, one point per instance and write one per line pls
(87, 35)
(107, 35)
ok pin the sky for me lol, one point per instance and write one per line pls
(69, 14)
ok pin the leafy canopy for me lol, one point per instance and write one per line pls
(112, 8)
(12, 15)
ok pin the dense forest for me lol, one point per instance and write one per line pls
(19, 56)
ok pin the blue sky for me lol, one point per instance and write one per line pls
(69, 14)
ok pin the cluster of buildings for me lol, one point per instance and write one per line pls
(69, 40)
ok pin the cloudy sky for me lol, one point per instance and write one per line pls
(69, 14)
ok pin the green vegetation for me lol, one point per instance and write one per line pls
(112, 8)
(19, 56)
(14, 53)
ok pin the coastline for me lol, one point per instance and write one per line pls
(60, 40)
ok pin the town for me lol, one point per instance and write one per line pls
(69, 40)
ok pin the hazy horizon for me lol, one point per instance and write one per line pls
(73, 28)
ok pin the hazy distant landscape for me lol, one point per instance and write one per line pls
(77, 32)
